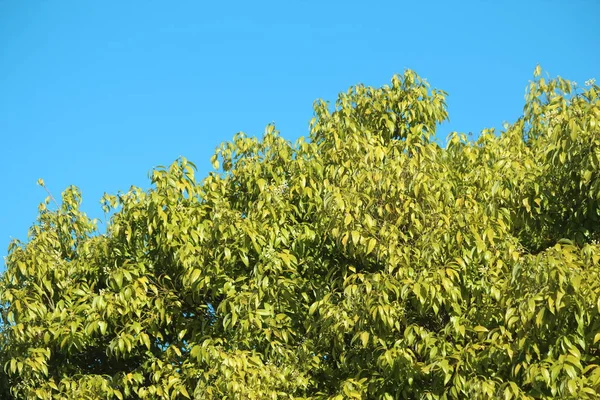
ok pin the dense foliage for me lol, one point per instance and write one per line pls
(365, 262)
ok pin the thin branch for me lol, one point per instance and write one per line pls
(42, 184)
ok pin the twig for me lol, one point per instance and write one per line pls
(42, 184)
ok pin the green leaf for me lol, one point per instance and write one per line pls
(364, 337)
(195, 276)
(102, 325)
(371, 245)
(355, 237)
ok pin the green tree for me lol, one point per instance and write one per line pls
(366, 262)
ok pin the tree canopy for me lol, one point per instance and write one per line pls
(367, 261)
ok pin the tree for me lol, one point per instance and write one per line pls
(365, 262)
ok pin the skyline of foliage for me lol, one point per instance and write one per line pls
(366, 261)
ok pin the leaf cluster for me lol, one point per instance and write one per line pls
(365, 262)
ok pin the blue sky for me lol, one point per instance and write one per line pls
(97, 93)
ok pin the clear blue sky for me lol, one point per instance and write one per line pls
(97, 93)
